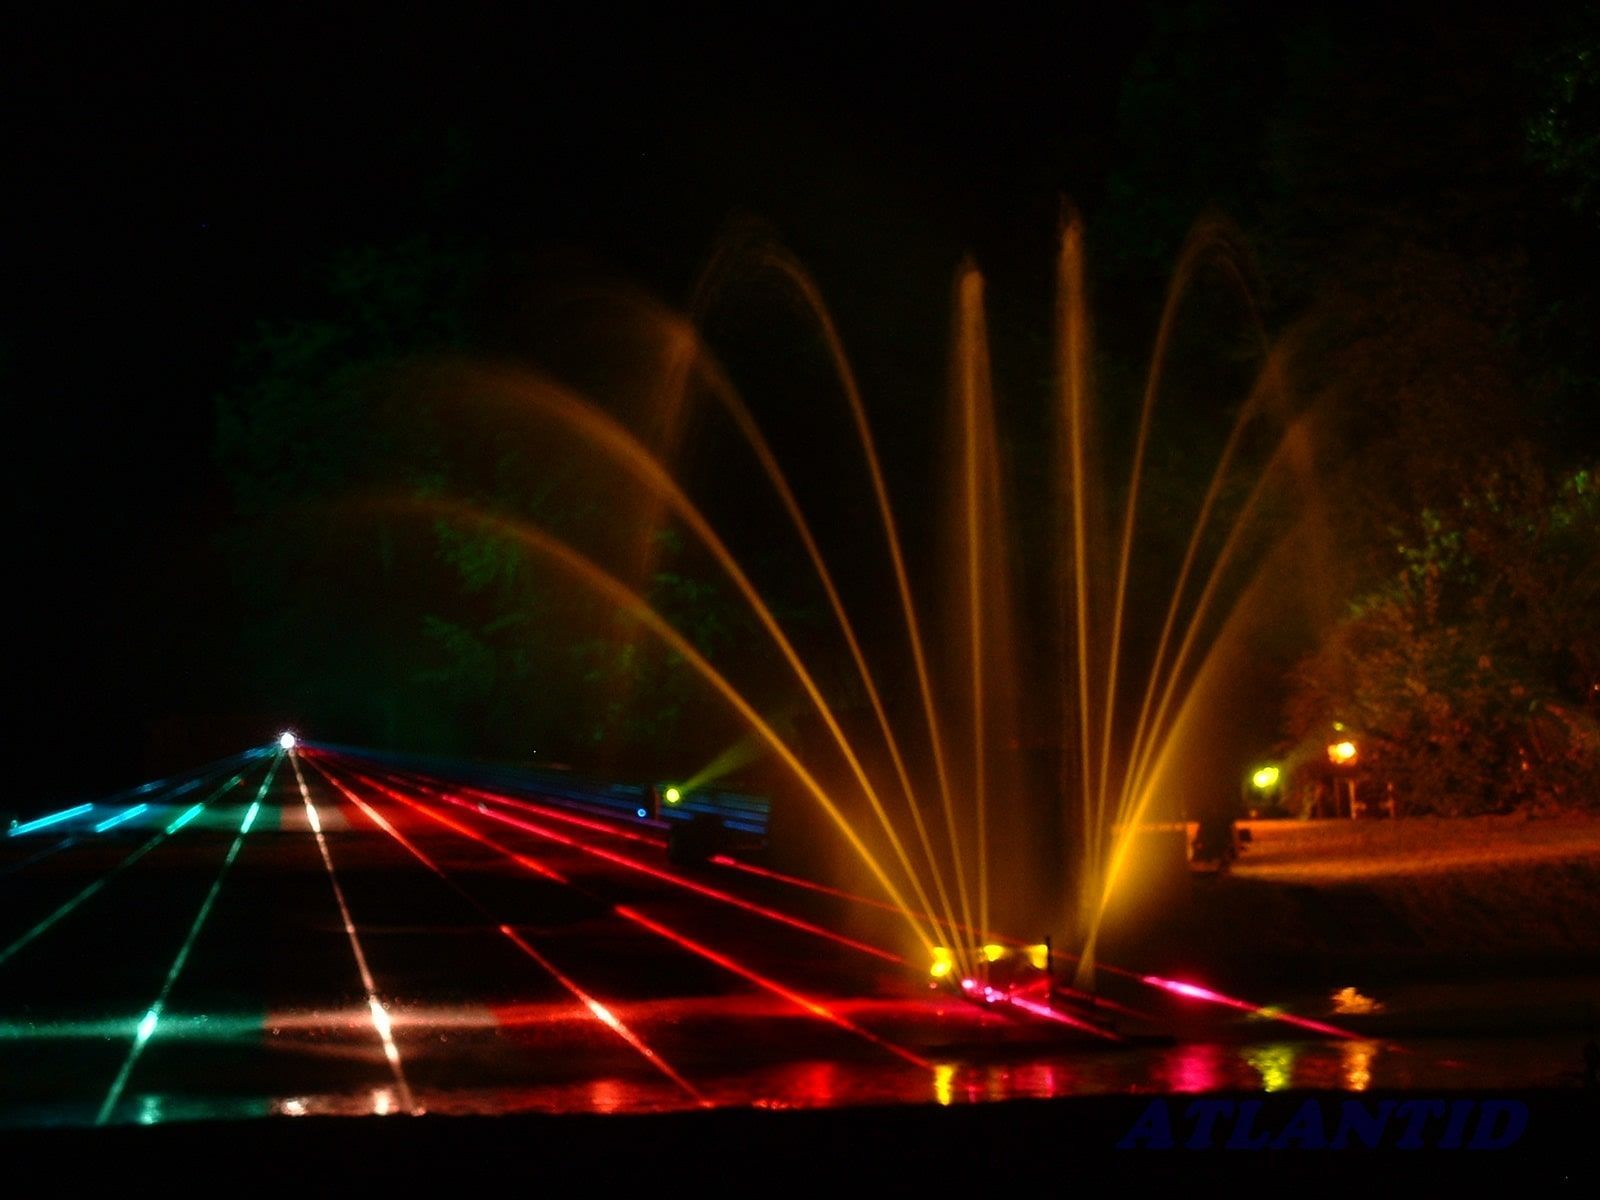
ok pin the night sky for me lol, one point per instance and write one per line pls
(172, 182)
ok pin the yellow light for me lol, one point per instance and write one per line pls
(672, 795)
(993, 952)
(943, 962)
(1038, 956)
(1265, 778)
(1342, 753)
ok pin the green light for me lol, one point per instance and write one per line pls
(71, 905)
(1265, 778)
(250, 817)
(147, 1026)
(190, 1027)
(672, 795)
(183, 820)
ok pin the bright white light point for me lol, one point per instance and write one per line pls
(604, 1013)
(380, 1018)
(147, 1026)
(286, 740)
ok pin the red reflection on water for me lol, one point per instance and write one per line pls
(607, 1096)
(1196, 1067)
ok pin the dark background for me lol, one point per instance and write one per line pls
(174, 181)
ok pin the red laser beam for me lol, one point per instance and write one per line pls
(1196, 992)
(600, 1012)
(631, 864)
(989, 995)
(1175, 987)
(605, 1016)
(738, 864)
(814, 1007)
(522, 860)
(567, 818)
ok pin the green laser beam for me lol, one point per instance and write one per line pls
(66, 910)
(212, 1027)
(152, 1017)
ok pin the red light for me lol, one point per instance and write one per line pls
(814, 1007)
(1196, 992)
(631, 864)
(555, 814)
(599, 1011)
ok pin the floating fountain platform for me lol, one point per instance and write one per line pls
(1032, 994)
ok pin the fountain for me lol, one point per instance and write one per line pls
(999, 783)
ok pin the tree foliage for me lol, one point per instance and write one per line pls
(432, 634)
(1564, 132)
(1473, 673)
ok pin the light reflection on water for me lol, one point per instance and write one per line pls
(1358, 1064)
(1276, 1064)
(1354, 1065)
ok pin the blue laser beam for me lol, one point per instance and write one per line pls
(125, 815)
(54, 818)
(14, 868)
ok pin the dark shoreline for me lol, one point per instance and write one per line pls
(1051, 1141)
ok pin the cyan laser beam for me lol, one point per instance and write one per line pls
(66, 910)
(50, 819)
(125, 815)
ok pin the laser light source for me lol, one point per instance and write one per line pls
(672, 795)
(286, 740)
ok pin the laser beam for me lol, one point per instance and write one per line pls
(40, 856)
(71, 905)
(551, 813)
(632, 864)
(813, 1007)
(54, 818)
(600, 1012)
(146, 1028)
(126, 814)
(380, 1015)
(1195, 992)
